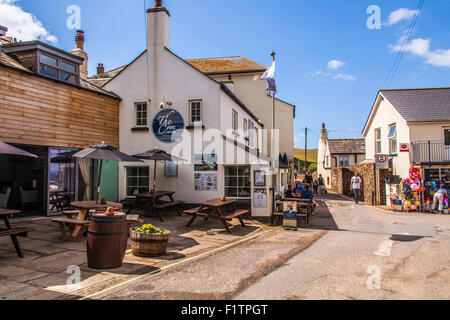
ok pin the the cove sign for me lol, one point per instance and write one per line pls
(168, 125)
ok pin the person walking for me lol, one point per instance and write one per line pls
(316, 187)
(309, 179)
(439, 198)
(321, 185)
(356, 187)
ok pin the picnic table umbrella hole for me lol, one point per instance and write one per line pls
(103, 152)
(157, 154)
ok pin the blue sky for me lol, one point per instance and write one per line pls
(329, 64)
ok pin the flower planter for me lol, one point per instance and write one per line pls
(149, 245)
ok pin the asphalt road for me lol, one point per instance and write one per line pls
(349, 252)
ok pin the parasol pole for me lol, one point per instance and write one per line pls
(154, 177)
(99, 180)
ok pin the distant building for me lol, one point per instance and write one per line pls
(337, 153)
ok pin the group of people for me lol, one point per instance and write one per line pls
(299, 192)
(311, 187)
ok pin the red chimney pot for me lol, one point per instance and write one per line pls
(158, 3)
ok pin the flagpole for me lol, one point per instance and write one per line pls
(273, 114)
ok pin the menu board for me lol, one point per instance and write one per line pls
(171, 169)
(205, 181)
(260, 198)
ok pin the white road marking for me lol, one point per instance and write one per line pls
(384, 249)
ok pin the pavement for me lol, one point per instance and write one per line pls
(47, 270)
(349, 252)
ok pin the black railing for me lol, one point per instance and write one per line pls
(430, 152)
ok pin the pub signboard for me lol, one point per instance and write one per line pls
(168, 125)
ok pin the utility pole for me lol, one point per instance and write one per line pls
(306, 148)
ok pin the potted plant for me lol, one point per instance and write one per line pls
(149, 241)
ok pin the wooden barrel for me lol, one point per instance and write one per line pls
(149, 245)
(107, 241)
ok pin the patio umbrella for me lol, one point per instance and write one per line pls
(103, 152)
(13, 151)
(157, 155)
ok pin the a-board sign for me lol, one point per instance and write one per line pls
(290, 214)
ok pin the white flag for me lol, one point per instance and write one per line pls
(269, 76)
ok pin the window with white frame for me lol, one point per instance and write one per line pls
(195, 111)
(238, 182)
(138, 180)
(393, 139)
(447, 137)
(327, 161)
(235, 118)
(141, 115)
(245, 125)
(378, 141)
(251, 133)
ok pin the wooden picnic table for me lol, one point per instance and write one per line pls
(78, 225)
(13, 232)
(153, 202)
(217, 209)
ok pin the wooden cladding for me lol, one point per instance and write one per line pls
(37, 111)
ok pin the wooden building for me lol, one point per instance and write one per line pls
(47, 107)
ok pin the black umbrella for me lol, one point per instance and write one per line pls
(103, 152)
(13, 151)
(157, 155)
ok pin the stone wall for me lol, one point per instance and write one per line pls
(341, 177)
(340, 180)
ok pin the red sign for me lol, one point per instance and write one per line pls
(404, 147)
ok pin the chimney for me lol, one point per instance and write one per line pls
(324, 132)
(100, 69)
(3, 31)
(158, 27)
(79, 51)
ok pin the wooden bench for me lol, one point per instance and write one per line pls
(71, 224)
(278, 217)
(70, 214)
(237, 214)
(167, 205)
(14, 233)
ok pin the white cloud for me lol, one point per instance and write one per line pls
(335, 64)
(22, 25)
(400, 15)
(344, 76)
(421, 48)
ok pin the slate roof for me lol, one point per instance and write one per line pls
(101, 80)
(431, 104)
(237, 64)
(347, 146)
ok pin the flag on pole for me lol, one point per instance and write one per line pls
(269, 76)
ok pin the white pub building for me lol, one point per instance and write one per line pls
(169, 104)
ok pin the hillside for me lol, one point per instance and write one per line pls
(311, 155)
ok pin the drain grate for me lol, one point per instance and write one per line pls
(405, 238)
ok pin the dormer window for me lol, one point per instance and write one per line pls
(58, 69)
